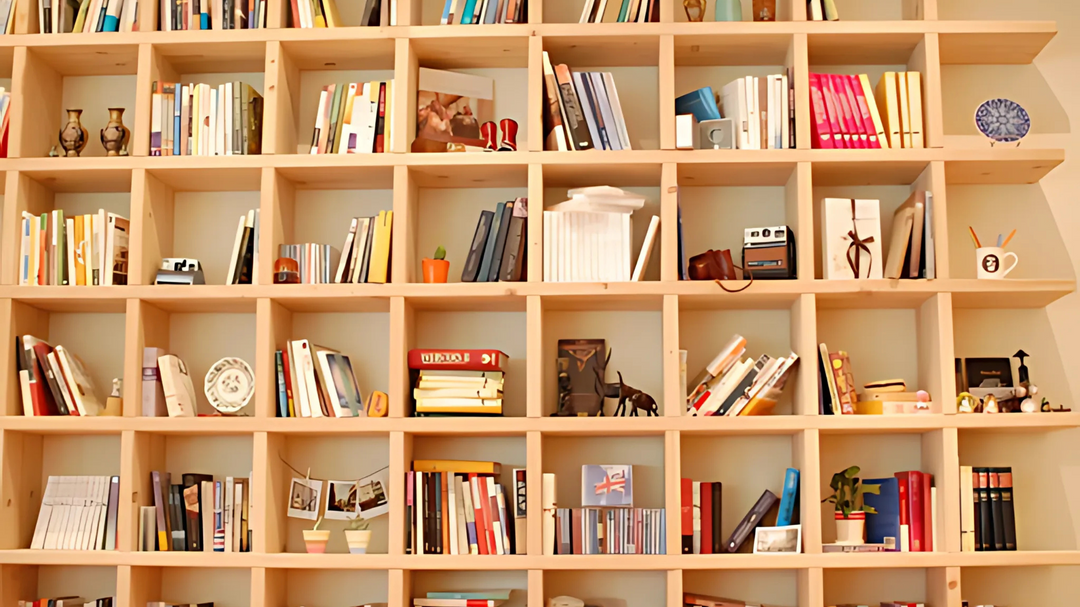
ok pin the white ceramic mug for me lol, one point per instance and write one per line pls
(990, 262)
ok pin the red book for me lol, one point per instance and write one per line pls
(380, 123)
(706, 518)
(905, 521)
(475, 483)
(41, 396)
(912, 481)
(852, 107)
(819, 123)
(686, 511)
(295, 8)
(457, 360)
(288, 382)
(575, 520)
(928, 513)
(832, 113)
(864, 113)
(491, 513)
(844, 115)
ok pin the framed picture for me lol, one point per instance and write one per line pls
(304, 498)
(340, 500)
(607, 485)
(778, 539)
(372, 494)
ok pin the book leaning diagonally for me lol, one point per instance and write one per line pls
(646, 249)
(179, 392)
(547, 505)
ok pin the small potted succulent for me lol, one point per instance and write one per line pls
(851, 512)
(437, 269)
(315, 539)
(358, 535)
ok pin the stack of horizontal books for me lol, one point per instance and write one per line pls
(457, 382)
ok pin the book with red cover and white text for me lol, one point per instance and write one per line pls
(462, 360)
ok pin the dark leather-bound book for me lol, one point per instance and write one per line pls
(513, 255)
(476, 249)
(500, 242)
(985, 516)
(192, 500)
(1008, 514)
(750, 522)
(996, 509)
(577, 128)
(717, 511)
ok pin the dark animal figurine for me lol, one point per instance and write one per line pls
(638, 399)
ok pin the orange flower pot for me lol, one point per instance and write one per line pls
(436, 270)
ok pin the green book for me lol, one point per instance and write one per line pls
(622, 11)
(80, 20)
(335, 109)
(340, 122)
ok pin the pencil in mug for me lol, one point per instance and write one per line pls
(1008, 238)
(974, 238)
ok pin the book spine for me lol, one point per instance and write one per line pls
(717, 517)
(820, 131)
(706, 518)
(986, 520)
(905, 520)
(577, 128)
(928, 512)
(686, 500)
(996, 509)
(1008, 513)
(465, 360)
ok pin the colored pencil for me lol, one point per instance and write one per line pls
(1007, 239)
(974, 238)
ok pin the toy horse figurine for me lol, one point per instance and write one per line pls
(637, 398)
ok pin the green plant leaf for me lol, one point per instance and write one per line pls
(440, 253)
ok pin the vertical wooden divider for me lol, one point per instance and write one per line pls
(152, 67)
(401, 449)
(941, 457)
(927, 59)
(943, 587)
(404, 259)
(932, 179)
(139, 212)
(669, 222)
(399, 588)
(673, 403)
(534, 356)
(805, 451)
(141, 453)
(534, 469)
(281, 97)
(10, 235)
(26, 22)
(934, 328)
(402, 321)
(273, 326)
(536, 13)
(35, 104)
(152, 212)
(270, 483)
(535, 104)
(406, 72)
(672, 495)
(804, 343)
(799, 208)
(143, 586)
(536, 584)
(277, 204)
(674, 586)
(535, 227)
(277, 14)
(269, 587)
(22, 488)
(810, 585)
(666, 72)
(9, 375)
(799, 59)
(145, 326)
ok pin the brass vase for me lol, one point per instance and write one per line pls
(73, 136)
(114, 137)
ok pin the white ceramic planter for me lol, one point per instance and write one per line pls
(358, 540)
(850, 530)
(315, 540)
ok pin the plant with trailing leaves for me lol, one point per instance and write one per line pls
(359, 523)
(848, 492)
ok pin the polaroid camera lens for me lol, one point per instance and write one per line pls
(754, 234)
(766, 233)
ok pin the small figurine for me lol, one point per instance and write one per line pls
(966, 403)
(637, 398)
(114, 136)
(73, 135)
(1028, 406)
(377, 404)
(508, 142)
(922, 401)
(489, 132)
(695, 10)
(990, 404)
(114, 405)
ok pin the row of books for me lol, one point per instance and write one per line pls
(911, 251)
(314, 381)
(53, 381)
(762, 109)
(630, 11)
(354, 118)
(584, 112)
(906, 516)
(205, 120)
(78, 513)
(486, 598)
(472, 12)
(63, 16)
(730, 385)
(703, 600)
(212, 15)
(497, 252)
(701, 506)
(324, 13)
(244, 262)
(821, 10)
(167, 389)
(198, 515)
(610, 530)
(457, 382)
(364, 258)
(457, 507)
(848, 114)
(79, 250)
(589, 238)
(987, 514)
(70, 601)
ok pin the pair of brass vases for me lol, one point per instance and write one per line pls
(114, 137)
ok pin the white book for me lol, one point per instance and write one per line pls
(616, 111)
(236, 252)
(228, 513)
(238, 515)
(176, 383)
(75, 513)
(316, 130)
(470, 514)
(726, 385)
(101, 504)
(109, 541)
(27, 399)
(733, 104)
(785, 111)
(69, 231)
(82, 500)
(418, 523)
(227, 132)
(42, 526)
(497, 523)
(628, 245)
(338, 409)
(586, 11)
(756, 112)
(452, 507)
(52, 525)
(770, 115)
(300, 391)
(548, 277)
(461, 498)
(99, 246)
(600, 11)
(928, 237)
(646, 250)
(967, 511)
(696, 497)
(547, 509)
(587, 231)
(95, 509)
(934, 519)
(348, 127)
(306, 363)
(504, 518)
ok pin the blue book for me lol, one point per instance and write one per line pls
(489, 247)
(466, 15)
(445, 21)
(701, 103)
(788, 499)
(177, 138)
(490, 595)
(112, 24)
(282, 397)
(886, 523)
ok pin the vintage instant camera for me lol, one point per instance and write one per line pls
(769, 252)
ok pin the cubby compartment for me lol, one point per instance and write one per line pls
(886, 10)
(881, 456)
(633, 337)
(495, 329)
(782, 12)
(773, 587)
(1018, 586)
(88, 78)
(633, 63)
(93, 334)
(33, 582)
(564, 456)
(964, 87)
(419, 583)
(337, 461)
(200, 333)
(195, 217)
(570, 11)
(608, 588)
(41, 456)
(324, 587)
(223, 586)
(1041, 494)
(875, 586)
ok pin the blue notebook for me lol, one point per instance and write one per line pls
(886, 523)
(789, 498)
(701, 103)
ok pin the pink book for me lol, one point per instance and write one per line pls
(847, 118)
(864, 112)
(856, 113)
(820, 132)
(832, 111)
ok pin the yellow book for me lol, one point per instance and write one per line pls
(461, 410)
(347, 128)
(868, 407)
(317, 12)
(905, 114)
(388, 123)
(890, 110)
(759, 405)
(332, 17)
(378, 270)
(914, 91)
(88, 247)
(456, 465)
(80, 260)
(875, 115)
(462, 392)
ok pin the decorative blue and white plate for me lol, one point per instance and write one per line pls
(1002, 120)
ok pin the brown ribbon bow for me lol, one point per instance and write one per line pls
(859, 245)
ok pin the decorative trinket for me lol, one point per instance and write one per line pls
(73, 135)
(1002, 121)
(695, 10)
(114, 137)
(229, 385)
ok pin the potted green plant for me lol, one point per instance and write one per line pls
(358, 535)
(851, 512)
(437, 269)
(315, 539)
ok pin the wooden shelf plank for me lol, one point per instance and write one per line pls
(993, 42)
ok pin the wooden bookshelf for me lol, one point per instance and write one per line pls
(178, 204)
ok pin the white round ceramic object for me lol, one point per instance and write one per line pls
(229, 385)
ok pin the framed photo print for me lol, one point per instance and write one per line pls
(769, 540)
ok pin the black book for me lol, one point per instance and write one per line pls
(500, 242)
(54, 387)
(978, 511)
(514, 252)
(717, 495)
(247, 257)
(410, 533)
(193, 485)
(985, 515)
(996, 509)
(476, 249)
(176, 518)
(364, 264)
(752, 519)
(1007, 512)
(577, 128)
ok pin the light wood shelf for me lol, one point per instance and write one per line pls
(165, 196)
